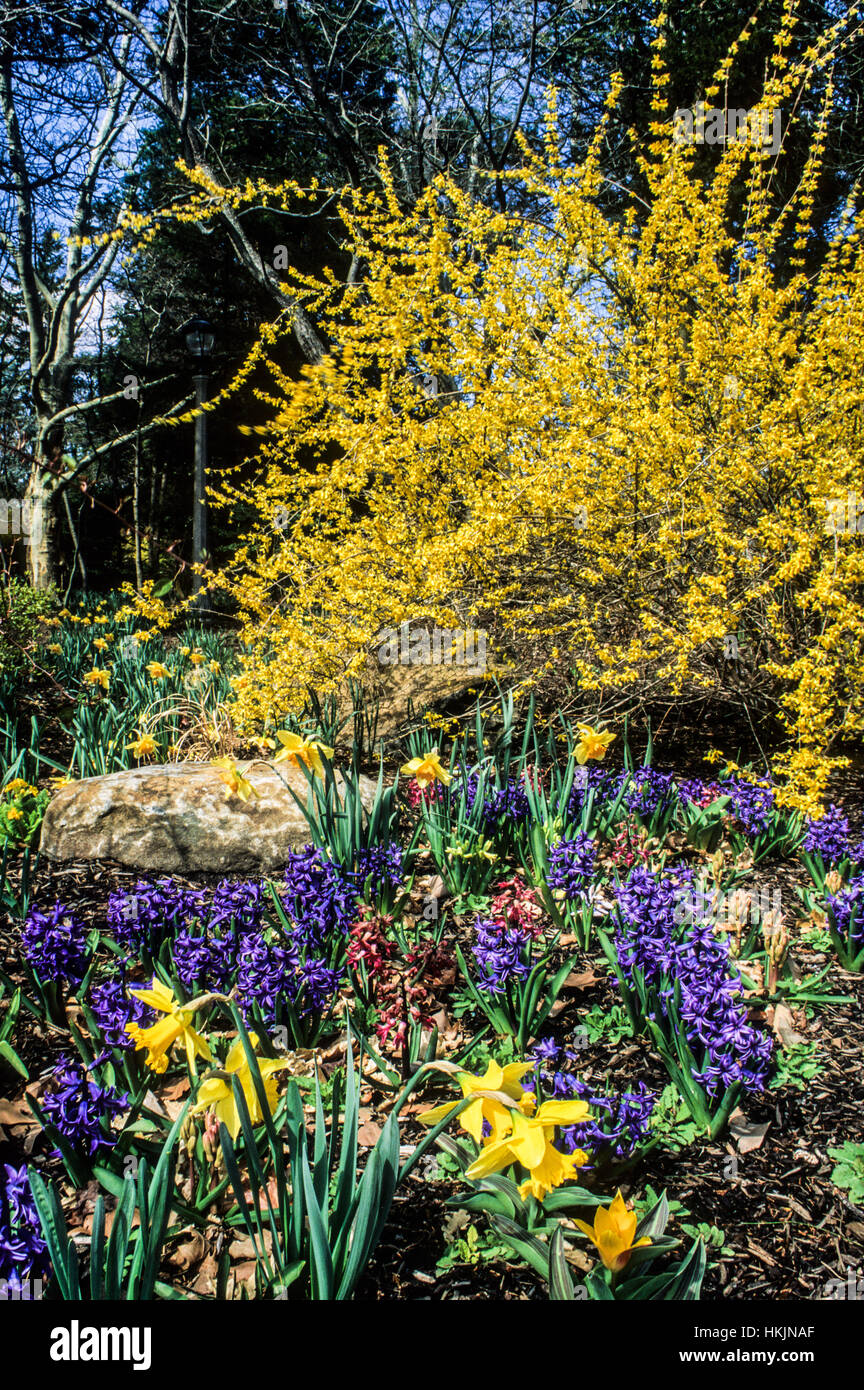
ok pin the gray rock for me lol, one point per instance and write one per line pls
(176, 818)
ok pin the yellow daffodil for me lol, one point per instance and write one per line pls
(175, 1027)
(613, 1231)
(216, 1092)
(497, 1115)
(99, 644)
(426, 770)
(235, 782)
(144, 747)
(141, 636)
(184, 651)
(214, 667)
(97, 677)
(55, 648)
(195, 657)
(156, 671)
(302, 750)
(530, 1143)
(592, 743)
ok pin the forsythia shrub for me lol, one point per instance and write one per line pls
(612, 442)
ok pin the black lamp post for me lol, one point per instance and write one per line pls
(199, 338)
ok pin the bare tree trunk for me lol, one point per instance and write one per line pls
(76, 552)
(41, 522)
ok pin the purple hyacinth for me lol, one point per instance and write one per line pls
(81, 1109)
(751, 805)
(380, 863)
(571, 866)
(846, 911)
(23, 1249)
(151, 913)
(266, 972)
(204, 962)
(320, 898)
(649, 791)
(618, 1123)
(691, 961)
(113, 1007)
(499, 953)
(545, 1051)
(239, 906)
(54, 945)
(604, 784)
(270, 972)
(699, 793)
(507, 805)
(315, 985)
(829, 837)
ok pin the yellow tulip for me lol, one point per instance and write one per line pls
(530, 1144)
(497, 1115)
(613, 1231)
(176, 1026)
(216, 1092)
(592, 743)
(426, 770)
(303, 750)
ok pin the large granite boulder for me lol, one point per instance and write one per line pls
(176, 818)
